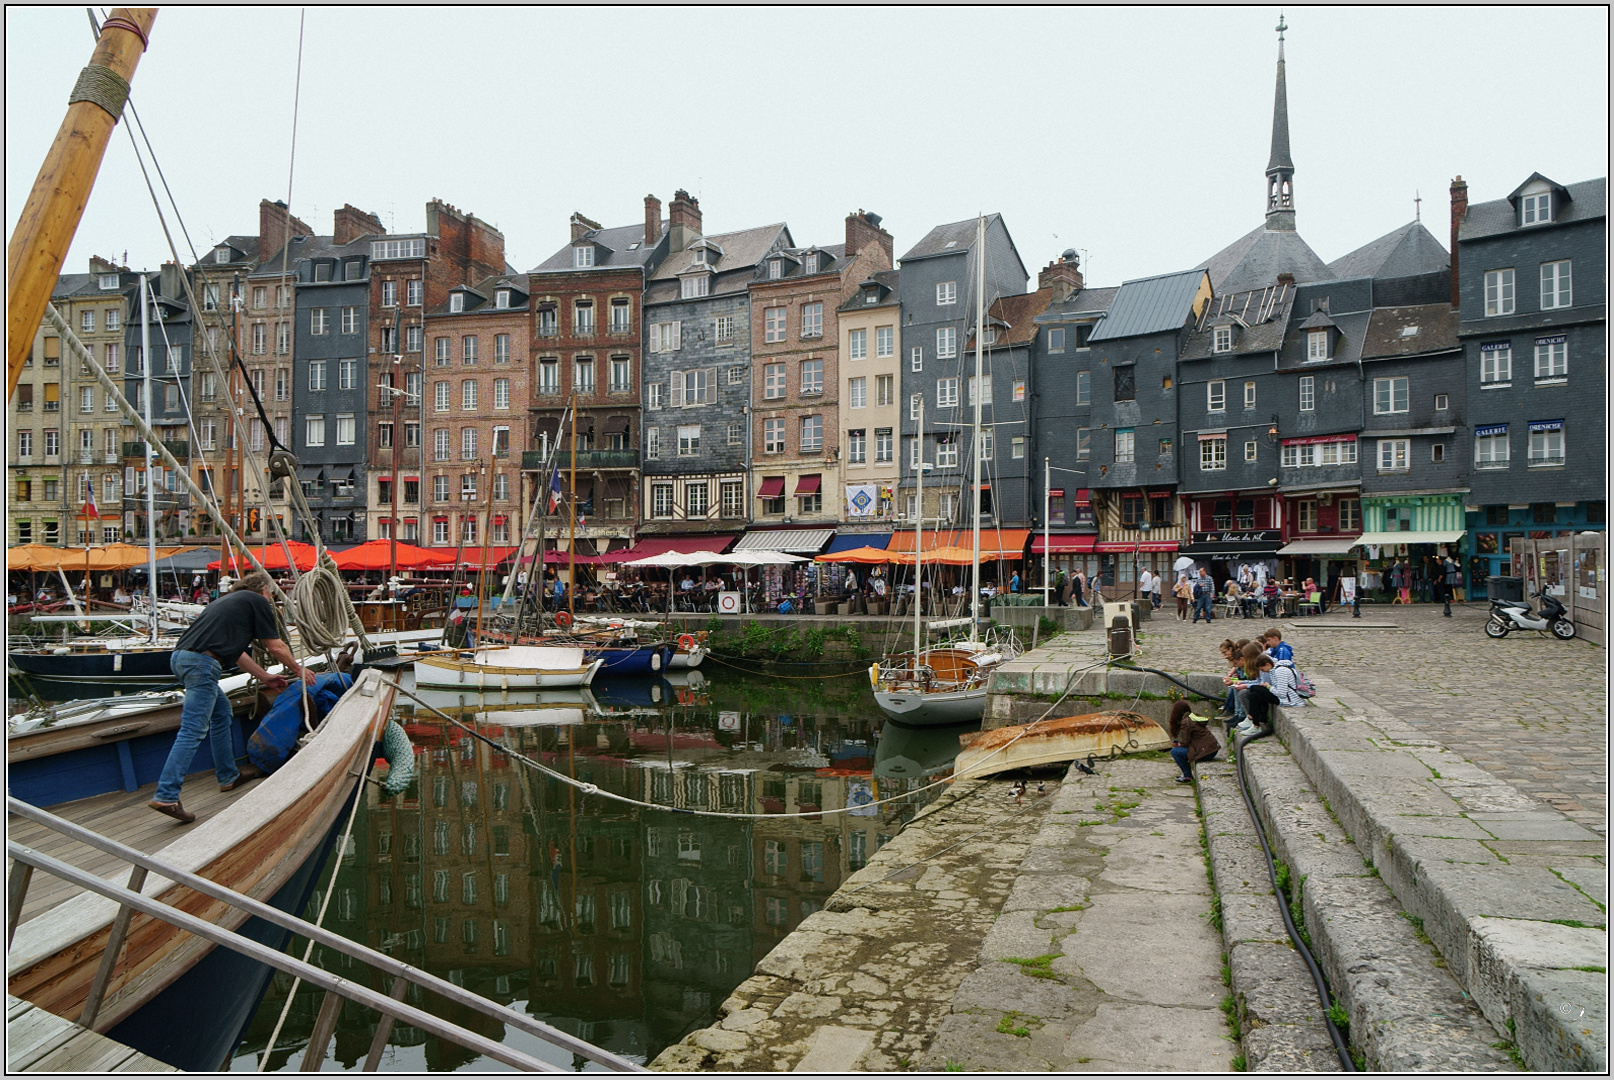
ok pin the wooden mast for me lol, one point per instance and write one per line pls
(571, 522)
(56, 204)
(487, 526)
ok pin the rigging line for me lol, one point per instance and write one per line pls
(291, 168)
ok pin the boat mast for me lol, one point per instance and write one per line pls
(487, 526)
(56, 204)
(918, 531)
(571, 522)
(975, 443)
(151, 487)
(397, 462)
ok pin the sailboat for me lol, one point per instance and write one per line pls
(945, 684)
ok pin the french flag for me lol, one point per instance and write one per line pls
(554, 489)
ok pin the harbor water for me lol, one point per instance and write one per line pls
(622, 924)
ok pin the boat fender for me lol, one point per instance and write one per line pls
(563, 619)
(655, 661)
(400, 755)
(686, 642)
(874, 676)
(117, 661)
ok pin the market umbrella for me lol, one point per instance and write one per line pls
(377, 555)
(865, 555)
(1184, 562)
(272, 556)
(32, 557)
(107, 557)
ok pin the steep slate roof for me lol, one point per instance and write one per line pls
(1406, 252)
(1150, 305)
(72, 284)
(1352, 329)
(794, 261)
(1258, 257)
(955, 237)
(741, 249)
(324, 247)
(891, 279)
(618, 240)
(1434, 328)
(246, 245)
(479, 294)
(1088, 301)
(1019, 312)
(1259, 315)
(1588, 200)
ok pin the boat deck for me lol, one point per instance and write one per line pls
(40, 1041)
(120, 815)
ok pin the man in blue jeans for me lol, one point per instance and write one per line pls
(220, 637)
(1204, 596)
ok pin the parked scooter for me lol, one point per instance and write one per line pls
(1509, 615)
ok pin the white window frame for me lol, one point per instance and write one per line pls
(694, 286)
(1552, 359)
(1395, 455)
(1213, 454)
(773, 324)
(689, 440)
(1308, 393)
(885, 341)
(501, 393)
(1251, 450)
(1500, 298)
(697, 498)
(1126, 446)
(549, 379)
(468, 393)
(1317, 345)
(1540, 453)
(884, 442)
(1390, 392)
(946, 293)
(345, 429)
(857, 345)
(316, 375)
(773, 435)
(442, 395)
(501, 298)
(916, 358)
(986, 389)
(946, 451)
(1216, 395)
(313, 431)
(1249, 395)
(946, 393)
(1496, 365)
(857, 446)
(652, 443)
(812, 378)
(1557, 288)
(1492, 451)
(946, 342)
(857, 392)
(812, 433)
(812, 320)
(1536, 209)
(1222, 339)
(582, 256)
(662, 504)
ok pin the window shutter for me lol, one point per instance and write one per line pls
(709, 391)
(128, 478)
(677, 389)
(677, 335)
(655, 337)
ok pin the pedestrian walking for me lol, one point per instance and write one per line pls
(1145, 584)
(220, 637)
(1182, 591)
(1452, 577)
(1204, 596)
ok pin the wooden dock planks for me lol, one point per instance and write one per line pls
(39, 1041)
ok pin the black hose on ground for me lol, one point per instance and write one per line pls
(1340, 1048)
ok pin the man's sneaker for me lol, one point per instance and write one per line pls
(1185, 779)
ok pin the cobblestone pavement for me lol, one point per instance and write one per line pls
(1531, 710)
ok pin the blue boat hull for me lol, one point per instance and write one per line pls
(121, 667)
(635, 660)
(125, 765)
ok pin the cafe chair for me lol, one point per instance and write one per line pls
(1314, 602)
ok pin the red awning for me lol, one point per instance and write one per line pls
(471, 557)
(995, 543)
(773, 487)
(1064, 544)
(1116, 547)
(656, 545)
(1083, 496)
(377, 555)
(808, 485)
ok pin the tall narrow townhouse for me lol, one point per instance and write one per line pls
(1062, 410)
(1007, 383)
(170, 327)
(1135, 428)
(797, 405)
(37, 501)
(478, 381)
(697, 381)
(330, 437)
(220, 282)
(92, 452)
(939, 290)
(1532, 284)
(410, 274)
(871, 358)
(587, 328)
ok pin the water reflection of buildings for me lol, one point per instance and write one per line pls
(625, 925)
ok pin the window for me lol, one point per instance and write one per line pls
(1125, 386)
(1496, 364)
(441, 389)
(1555, 288)
(501, 298)
(986, 444)
(1084, 388)
(1083, 443)
(776, 268)
(1535, 209)
(916, 359)
(621, 315)
(1442, 403)
(1306, 515)
(86, 399)
(1394, 455)
(857, 392)
(468, 445)
(1124, 446)
(689, 440)
(548, 322)
(947, 453)
(812, 320)
(468, 350)
(723, 329)
(398, 249)
(773, 381)
(1350, 515)
(1222, 339)
(389, 339)
(1390, 395)
(857, 447)
(946, 393)
(695, 497)
(737, 376)
(1499, 292)
(1308, 393)
(583, 318)
(440, 536)
(946, 293)
(315, 431)
(260, 339)
(885, 341)
(344, 429)
(389, 295)
(316, 374)
(946, 342)
(986, 389)
(773, 324)
(885, 389)
(732, 494)
(501, 393)
(1546, 443)
(1215, 395)
(1056, 339)
(383, 439)
(549, 377)
(666, 337)
(809, 263)
(347, 374)
(583, 256)
(1543, 514)
(86, 320)
(319, 322)
(883, 444)
(413, 338)
(1213, 453)
(695, 387)
(411, 433)
(1552, 357)
(583, 375)
(773, 436)
(25, 444)
(812, 434)
(812, 378)
(1317, 345)
(1249, 395)
(652, 443)
(440, 444)
(661, 500)
(857, 345)
(112, 355)
(1437, 452)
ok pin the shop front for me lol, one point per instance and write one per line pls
(1326, 559)
(1226, 553)
(1405, 539)
(1067, 552)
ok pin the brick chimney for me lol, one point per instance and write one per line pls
(1064, 276)
(352, 223)
(582, 226)
(170, 281)
(652, 221)
(273, 218)
(99, 265)
(862, 229)
(683, 219)
(470, 246)
(1459, 210)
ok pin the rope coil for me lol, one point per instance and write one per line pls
(318, 605)
(103, 87)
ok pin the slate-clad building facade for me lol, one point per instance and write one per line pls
(1532, 283)
(170, 335)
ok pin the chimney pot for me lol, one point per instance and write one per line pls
(652, 221)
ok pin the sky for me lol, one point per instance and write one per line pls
(1138, 136)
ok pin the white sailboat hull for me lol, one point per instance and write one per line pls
(509, 667)
(934, 709)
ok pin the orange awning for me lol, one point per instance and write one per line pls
(867, 555)
(995, 543)
(107, 557)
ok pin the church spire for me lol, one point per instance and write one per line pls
(1280, 168)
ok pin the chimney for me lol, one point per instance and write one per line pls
(273, 217)
(1459, 210)
(352, 223)
(1064, 276)
(683, 220)
(170, 283)
(862, 229)
(652, 221)
(582, 226)
(99, 265)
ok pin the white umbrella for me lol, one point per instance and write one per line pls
(1183, 562)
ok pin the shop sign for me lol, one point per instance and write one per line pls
(1311, 440)
(1248, 536)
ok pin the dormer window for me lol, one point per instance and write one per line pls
(456, 302)
(810, 263)
(1317, 345)
(1536, 209)
(221, 254)
(991, 335)
(699, 255)
(1222, 339)
(109, 281)
(871, 296)
(776, 269)
(501, 298)
(583, 256)
(322, 271)
(695, 285)
(354, 270)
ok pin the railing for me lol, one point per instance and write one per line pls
(586, 459)
(180, 450)
(338, 990)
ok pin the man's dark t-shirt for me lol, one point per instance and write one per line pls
(228, 625)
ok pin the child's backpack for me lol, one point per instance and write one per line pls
(1303, 685)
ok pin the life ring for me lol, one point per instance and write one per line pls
(563, 619)
(686, 642)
